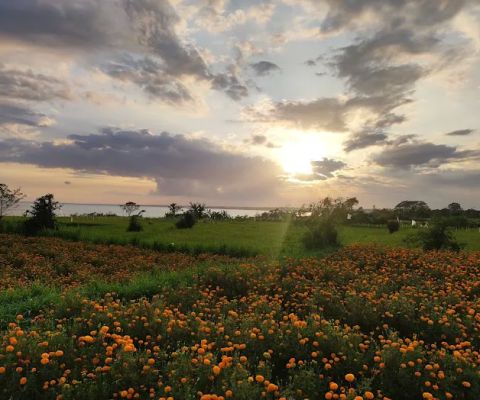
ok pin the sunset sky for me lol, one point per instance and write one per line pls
(241, 102)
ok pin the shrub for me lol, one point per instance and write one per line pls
(393, 226)
(199, 210)
(187, 221)
(42, 215)
(134, 224)
(438, 237)
(321, 233)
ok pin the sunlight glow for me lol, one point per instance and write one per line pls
(296, 156)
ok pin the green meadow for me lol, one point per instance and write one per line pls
(234, 237)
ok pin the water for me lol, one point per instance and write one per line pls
(150, 211)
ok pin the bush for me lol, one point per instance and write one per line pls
(42, 215)
(321, 233)
(187, 221)
(134, 224)
(438, 237)
(393, 226)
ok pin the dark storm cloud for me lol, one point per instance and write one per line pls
(460, 132)
(407, 152)
(363, 140)
(178, 164)
(263, 68)
(22, 115)
(27, 85)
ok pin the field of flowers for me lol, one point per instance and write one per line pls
(363, 323)
(65, 264)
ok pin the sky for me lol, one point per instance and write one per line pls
(241, 102)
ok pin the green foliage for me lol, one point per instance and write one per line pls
(393, 226)
(437, 237)
(321, 233)
(187, 221)
(218, 215)
(42, 215)
(198, 210)
(325, 216)
(130, 207)
(134, 224)
(173, 210)
(9, 198)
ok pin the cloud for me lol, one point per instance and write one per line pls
(407, 45)
(63, 24)
(407, 152)
(344, 14)
(363, 140)
(149, 76)
(321, 170)
(330, 113)
(222, 15)
(460, 178)
(260, 140)
(144, 31)
(263, 68)
(232, 86)
(27, 85)
(18, 114)
(180, 165)
(327, 166)
(460, 132)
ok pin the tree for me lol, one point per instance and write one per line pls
(321, 225)
(412, 209)
(334, 209)
(130, 207)
(9, 198)
(42, 214)
(454, 208)
(198, 210)
(173, 209)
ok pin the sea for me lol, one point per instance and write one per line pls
(151, 211)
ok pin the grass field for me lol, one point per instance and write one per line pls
(272, 239)
(80, 321)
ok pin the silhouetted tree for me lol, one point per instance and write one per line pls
(130, 207)
(454, 208)
(173, 209)
(42, 214)
(198, 210)
(9, 198)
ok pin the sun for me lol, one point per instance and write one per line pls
(296, 157)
